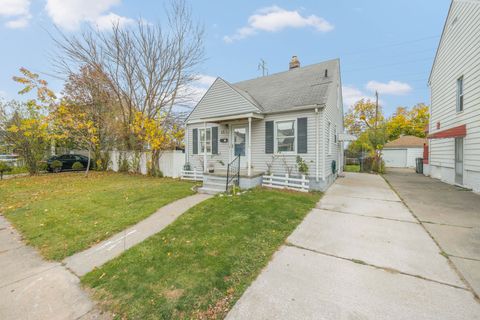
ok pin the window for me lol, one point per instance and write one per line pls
(285, 139)
(460, 94)
(202, 142)
(329, 133)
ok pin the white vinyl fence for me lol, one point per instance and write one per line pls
(286, 182)
(193, 175)
(170, 163)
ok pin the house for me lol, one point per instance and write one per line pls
(402, 152)
(268, 122)
(454, 130)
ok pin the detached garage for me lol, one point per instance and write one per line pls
(401, 153)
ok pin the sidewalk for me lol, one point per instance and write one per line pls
(85, 261)
(359, 255)
(31, 288)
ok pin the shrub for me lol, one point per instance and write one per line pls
(124, 165)
(373, 164)
(4, 168)
(77, 166)
(302, 166)
(42, 166)
(56, 165)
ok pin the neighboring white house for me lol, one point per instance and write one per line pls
(402, 152)
(454, 131)
(269, 121)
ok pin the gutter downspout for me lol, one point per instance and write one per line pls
(323, 145)
(205, 148)
(317, 177)
(249, 146)
(186, 144)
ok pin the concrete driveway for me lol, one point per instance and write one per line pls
(449, 213)
(360, 254)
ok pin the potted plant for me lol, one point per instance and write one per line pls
(211, 167)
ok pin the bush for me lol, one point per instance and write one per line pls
(375, 164)
(4, 168)
(302, 166)
(77, 166)
(43, 166)
(56, 165)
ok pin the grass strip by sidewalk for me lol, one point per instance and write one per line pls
(61, 214)
(201, 264)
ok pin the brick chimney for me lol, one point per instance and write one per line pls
(294, 63)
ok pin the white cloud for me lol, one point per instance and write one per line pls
(106, 22)
(19, 23)
(18, 12)
(392, 87)
(70, 14)
(274, 19)
(352, 94)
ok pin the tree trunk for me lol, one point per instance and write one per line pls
(88, 162)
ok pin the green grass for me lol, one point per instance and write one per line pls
(203, 262)
(61, 214)
(352, 168)
(16, 170)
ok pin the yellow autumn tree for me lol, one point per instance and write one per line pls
(157, 135)
(28, 130)
(408, 122)
(72, 123)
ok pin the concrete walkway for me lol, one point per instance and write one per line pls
(85, 261)
(31, 288)
(450, 214)
(360, 254)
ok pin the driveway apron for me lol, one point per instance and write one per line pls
(360, 254)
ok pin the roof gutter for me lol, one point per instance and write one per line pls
(297, 108)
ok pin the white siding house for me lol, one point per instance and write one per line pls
(402, 152)
(454, 130)
(269, 121)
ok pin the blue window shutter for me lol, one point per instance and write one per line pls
(214, 140)
(302, 140)
(268, 136)
(195, 141)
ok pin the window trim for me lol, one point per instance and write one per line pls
(295, 137)
(460, 96)
(200, 149)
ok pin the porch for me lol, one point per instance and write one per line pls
(217, 141)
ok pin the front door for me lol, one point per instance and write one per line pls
(239, 143)
(459, 161)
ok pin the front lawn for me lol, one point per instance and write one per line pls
(352, 168)
(61, 214)
(201, 264)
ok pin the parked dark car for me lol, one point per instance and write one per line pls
(67, 161)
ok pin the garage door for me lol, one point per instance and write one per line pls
(395, 158)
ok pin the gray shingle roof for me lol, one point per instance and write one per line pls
(293, 88)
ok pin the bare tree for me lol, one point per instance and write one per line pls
(148, 67)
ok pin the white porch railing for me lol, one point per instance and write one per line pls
(286, 182)
(194, 175)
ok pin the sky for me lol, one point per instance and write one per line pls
(384, 46)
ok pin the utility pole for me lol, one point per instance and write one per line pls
(263, 66)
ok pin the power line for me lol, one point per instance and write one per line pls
(389, 65)
(370, 49)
